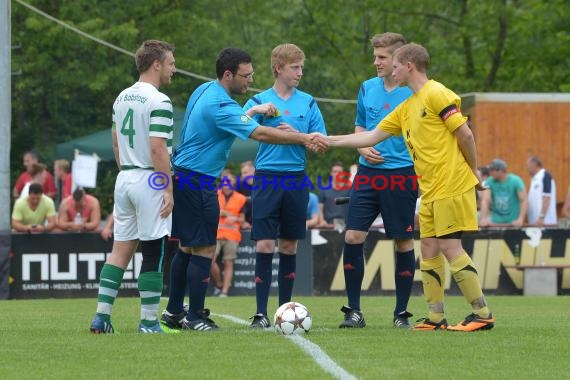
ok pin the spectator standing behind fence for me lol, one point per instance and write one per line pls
(62, 176)
(541, 194)
(34, 212)
(39, 174)
(335, 189)
(79, 212)
(232, 216)
(244, 187)
(506, 200)
(42, 176)
(313, 211)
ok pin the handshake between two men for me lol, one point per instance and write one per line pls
(317, 142)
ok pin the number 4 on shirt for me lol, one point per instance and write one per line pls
(127, 129)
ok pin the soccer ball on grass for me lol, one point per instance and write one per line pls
(292, 318)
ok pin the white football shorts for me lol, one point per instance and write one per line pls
(137, 207)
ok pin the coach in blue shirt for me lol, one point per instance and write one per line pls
(279, 202)
(211, 123)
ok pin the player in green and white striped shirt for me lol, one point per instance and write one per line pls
(142, 142)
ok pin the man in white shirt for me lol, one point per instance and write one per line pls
(541, 195)
(142, 144)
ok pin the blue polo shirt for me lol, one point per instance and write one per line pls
(211, 123)
(374, 103)
(313, 205)
(302, 113)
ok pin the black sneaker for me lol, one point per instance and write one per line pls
(172, 321)
(203, 323)
(260, 321)
(352, 318)
(401, 320)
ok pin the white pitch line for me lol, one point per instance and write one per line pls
(317, 353)
(321, 358)
(237, 320)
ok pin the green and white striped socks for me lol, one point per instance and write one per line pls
(109, 283)
(150, 289)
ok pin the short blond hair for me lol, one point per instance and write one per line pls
(415, 53)
(389, 40)
(284, 54)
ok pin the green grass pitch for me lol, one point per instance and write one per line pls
(50, 339)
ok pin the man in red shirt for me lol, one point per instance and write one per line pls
(48, 184)
(79, 212)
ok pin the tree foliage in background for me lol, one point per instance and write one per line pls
(68, 82)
